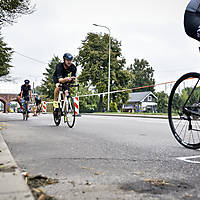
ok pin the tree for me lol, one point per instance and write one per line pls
(10, 10)
(87, 103)
(93, 59)
(113, 107)
(48, 86)
(5, 57)
(143, 75)
(162, 102)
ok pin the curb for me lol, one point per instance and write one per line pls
(128, 115)
(12, 184)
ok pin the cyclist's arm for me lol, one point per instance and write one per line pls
(21, 94)
(30, 94)
(73, 77)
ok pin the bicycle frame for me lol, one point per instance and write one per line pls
(25, 104)
(64, 102)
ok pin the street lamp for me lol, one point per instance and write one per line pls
(108, 65)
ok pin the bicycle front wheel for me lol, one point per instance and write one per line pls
(25, 114)
(70, 112)
(184, 110)
(57, 116)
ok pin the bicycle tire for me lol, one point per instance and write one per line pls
(24, 112)
(70, 112)
(26, 115)
(57, 116)
(172, 120)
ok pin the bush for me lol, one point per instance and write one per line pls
(113, 107)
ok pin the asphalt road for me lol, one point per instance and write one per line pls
(105, 157)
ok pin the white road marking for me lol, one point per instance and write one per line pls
(189, 159)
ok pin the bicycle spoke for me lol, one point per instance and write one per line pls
(178, 124)
(185, 130)
(197, 131)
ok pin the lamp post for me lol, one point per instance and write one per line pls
(108, 65)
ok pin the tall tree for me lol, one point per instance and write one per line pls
(93, 59)
(5, 57)
(143, 75)
(10, 10)
(48, 86)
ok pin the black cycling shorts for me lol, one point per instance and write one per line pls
(191, 24)
(26, 98)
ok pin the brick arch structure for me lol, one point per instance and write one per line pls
(6, 98)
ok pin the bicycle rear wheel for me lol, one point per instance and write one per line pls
(57, 116)
(70, 112)
(184, 110)
(24, 115)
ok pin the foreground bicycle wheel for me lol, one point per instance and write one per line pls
(184, 110)
(57, 116)
(70, 112)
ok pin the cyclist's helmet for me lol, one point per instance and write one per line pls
(67, 56)
(26, 81)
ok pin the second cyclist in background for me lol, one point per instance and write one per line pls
(38, 103)
(65, 72)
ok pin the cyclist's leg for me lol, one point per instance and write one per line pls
(19, 100)
(192, 24)
(56, 93)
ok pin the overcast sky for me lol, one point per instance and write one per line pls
(151, 29)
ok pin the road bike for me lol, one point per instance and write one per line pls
(66, 106)
(184, 110)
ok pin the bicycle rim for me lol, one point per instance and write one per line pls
(70, 112)
(184, 110)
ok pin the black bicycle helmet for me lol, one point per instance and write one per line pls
(67, 56)
(26, 81)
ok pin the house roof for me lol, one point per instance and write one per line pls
(139, 96)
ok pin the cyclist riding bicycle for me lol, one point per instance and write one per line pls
(37, 102)
(61, 75)
(192, 19)
(25, 93)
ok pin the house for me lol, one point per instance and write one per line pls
(141, 102)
